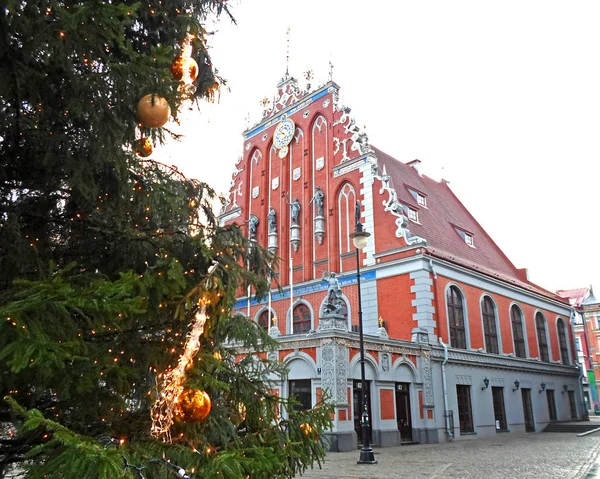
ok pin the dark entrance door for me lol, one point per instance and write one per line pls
(403, 412)
(528, 410)
(572, 404)
(551, 405)
(358, 408)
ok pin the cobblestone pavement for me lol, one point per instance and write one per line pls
(539, 455)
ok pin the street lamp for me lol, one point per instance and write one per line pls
(360, 238)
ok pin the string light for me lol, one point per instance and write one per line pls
(165, 405)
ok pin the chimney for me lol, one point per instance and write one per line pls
(416, 164)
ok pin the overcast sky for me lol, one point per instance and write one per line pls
(502, 99)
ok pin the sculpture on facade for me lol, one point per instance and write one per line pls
(318, 199)
(252, 226)
(272, 220)
(295, 210)
(334, 302)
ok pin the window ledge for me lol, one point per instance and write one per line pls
(468, 433)
(502, 430)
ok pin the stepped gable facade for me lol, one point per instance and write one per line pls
(459, 344)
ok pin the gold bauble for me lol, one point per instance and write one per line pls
(194, 405)
(184, 69)
(239, 415)
(310, 431)
(213, 91)
(143, 147)
(153, 111)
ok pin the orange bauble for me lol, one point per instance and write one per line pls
(310, 431)
(143, 147)
(194, 405)
(184, 69)
(153, 111)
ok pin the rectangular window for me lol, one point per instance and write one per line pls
(421, 199)
(499, 412)
(301, 390)
(469, 239)
(551, 405)
(465, 415)
(413, 215)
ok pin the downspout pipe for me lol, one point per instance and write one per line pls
(445, 389)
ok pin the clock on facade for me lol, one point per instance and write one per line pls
(284, 133)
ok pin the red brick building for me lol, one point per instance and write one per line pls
(458, 342)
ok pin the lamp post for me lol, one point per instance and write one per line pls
(360, 238)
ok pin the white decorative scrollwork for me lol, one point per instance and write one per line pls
(288, 93)
(393, 205)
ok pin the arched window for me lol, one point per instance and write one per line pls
(263, 319)
(540, 326)
(516, 318)
(301, 319)
(562, 341)
(488, 311)
(456, 318)
(346, 212)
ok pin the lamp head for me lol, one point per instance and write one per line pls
(486, 383)
(543, 386)
(517, 384)
(360, 237)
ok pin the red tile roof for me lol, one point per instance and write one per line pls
(575, 296)
(439, 220)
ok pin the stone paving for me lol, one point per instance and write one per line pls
(505, 456)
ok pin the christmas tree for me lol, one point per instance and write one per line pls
(119, 355)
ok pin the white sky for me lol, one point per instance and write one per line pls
(500, 98)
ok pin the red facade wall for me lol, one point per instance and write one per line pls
(473, 297)
(395, 305)
(386, 404)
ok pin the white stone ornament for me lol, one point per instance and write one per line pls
(255, 191)
(275, 183)
(297, 173)
(326, 103)
(320, 163)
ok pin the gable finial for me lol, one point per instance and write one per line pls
(287, 56)
(330, 71)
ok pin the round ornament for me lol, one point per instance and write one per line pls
(283, 152)
(239, 415)
(184, 69)
(143, 147)
(194, 405)
(212, 91)
(310, 431)
(153, 111)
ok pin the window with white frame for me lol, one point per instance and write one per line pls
(421, 199)
(469, 239)
(413, 215)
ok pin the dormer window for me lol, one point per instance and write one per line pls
(466, 236)
(420, 198)
(469, 239)
(413, 215)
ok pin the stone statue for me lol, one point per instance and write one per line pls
(318, 199)
(295, 210)
(252, 226)
(334, 302)
(272, 220)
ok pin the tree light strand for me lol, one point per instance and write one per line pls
(172, 386)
